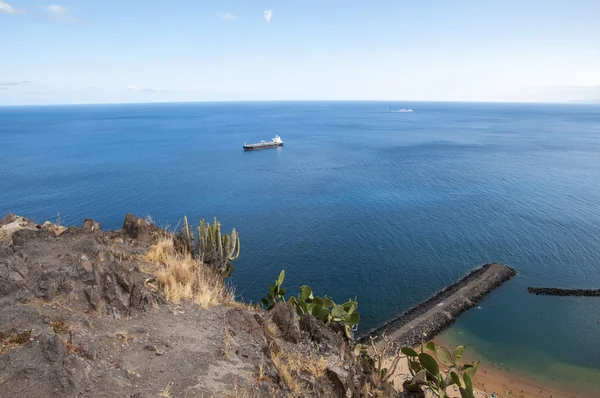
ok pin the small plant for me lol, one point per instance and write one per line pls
(276, 292)
(425, 370)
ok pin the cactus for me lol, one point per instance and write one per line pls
(212, 248)
(276, 292)
(322, 308)
(426, 372)
(326, 310)
(187, 235)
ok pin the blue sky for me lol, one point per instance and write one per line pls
(90, 51)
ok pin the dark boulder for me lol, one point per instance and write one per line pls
(285, 317)
(140, 229)
(321, 334)
(241, 320)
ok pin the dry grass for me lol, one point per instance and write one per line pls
(161, 251)
(281, 364)
(60, 326)
(12, 341)
(181, 277)
(272, 330)
(73, 348)
(227, 348)
(166, 392)
(291, 365)
(261, 371)
(124, 337)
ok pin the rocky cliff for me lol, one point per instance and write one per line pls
(81, 315)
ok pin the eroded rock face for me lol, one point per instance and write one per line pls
(285, 317)
(44, 265)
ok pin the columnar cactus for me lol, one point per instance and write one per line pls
(213, 248)
(187, 235)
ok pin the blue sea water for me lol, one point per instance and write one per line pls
(361, 202)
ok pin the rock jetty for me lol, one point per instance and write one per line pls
(551, 291)
(434, 315)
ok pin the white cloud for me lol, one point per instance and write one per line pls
(268, 15)
(60, 13)
(138, 89)
(134, 88)
(228, 16)
(7, 8)
(15, 83)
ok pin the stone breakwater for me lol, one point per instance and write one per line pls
(428, 319)
(551, 291)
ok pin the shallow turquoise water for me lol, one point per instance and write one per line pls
(388, 207)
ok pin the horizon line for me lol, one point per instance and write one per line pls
(299, 100)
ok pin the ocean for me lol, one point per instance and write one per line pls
(361, 202)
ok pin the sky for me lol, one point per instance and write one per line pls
(90, 51)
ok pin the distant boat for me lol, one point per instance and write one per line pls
(405, 110)
(274, 143)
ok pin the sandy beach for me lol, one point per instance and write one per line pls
(503, 383)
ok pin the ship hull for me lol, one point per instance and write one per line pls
(257, 148)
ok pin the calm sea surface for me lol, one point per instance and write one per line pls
(361, 202)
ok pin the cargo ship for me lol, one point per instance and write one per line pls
(274, 143)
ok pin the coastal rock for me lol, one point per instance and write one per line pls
(90, 225)
(9, 218)
(83, 315)
(140, 229)
(346, 376)
(551, 291)
(11, 224)
(244, 321)
(55, 229)
(285, 317)
(323, 335)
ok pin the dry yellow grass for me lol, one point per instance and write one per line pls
(283, 369)
(166, 392)
(182, 277)
(227, 348)
(161, 251)
(290, 365)
(272, 330)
